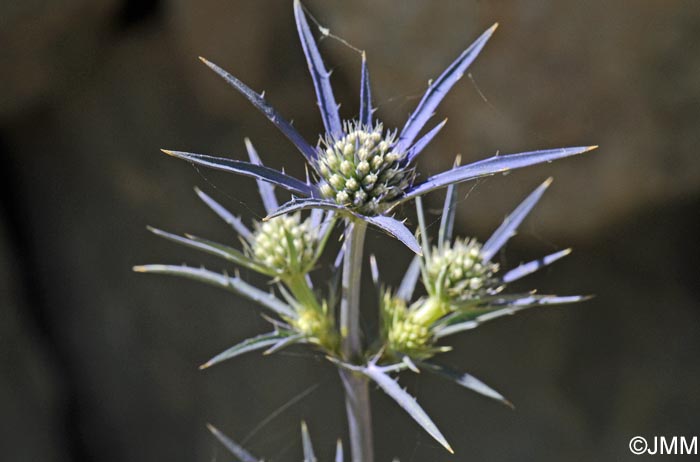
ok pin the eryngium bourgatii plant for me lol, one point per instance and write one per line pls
(360, 171)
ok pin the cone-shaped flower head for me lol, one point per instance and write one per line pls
(404, 333)
(285, 245)
(458, 270)
(363, 169)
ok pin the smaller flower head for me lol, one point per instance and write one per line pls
(284, 245)
(404, 333)
(317, 326)
(457, 270)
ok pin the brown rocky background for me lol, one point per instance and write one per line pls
(99, 363)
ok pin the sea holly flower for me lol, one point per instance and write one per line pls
(285, 248)
(358, 168)
(464, 286)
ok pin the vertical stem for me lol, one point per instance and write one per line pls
(350, 301)
(356, 386)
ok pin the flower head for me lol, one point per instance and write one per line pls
(362, 170)
(285, 248)
(463, 285)
(284, 245)
(359, 169)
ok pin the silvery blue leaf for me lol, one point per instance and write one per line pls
(241, 454)
(374, 269)
(225, 215)
(319, 75)
(255, 343)
(512, 307)
(449, 211)
(530, 267)
(422, 228)
(417, 148)
(387, 224)
(406, 401)
(365, 95)
(512, 221)
(283, 343)
(239, 167)
(396, 229)
(339, 451)
(305, 204)
(273, 116)
(267, 191)
(490, 166)
(223, 281)
(213, 248)
(439, 88)
(309, 455)
(408, 283)
(464, 380)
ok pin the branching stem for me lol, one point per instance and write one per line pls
(356, 386)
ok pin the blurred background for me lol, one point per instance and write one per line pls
(100, 364)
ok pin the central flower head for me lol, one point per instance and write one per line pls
(362, 170)
(458, 270)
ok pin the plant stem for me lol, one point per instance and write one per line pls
(356, 386)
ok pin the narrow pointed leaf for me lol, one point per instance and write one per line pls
(267, 191)
(259, 172)
(374, 268)
(316, 217)
(464, 380)
(417, 148)
(285, 342)
(305, 204)
(309, 455)
(387, 224)
(213, 248)
(255, 343)
(263, 106)
(225, 215)
(510, 309)
(396, 229)
(449, 210)
(530, 267)
(241, 454)
(490, 166)
(365, 95)
(319, 74)
(439, 88)
(511, 223)
(422, 228)
(406, 401)
(408, 283)
(223, 281)
(339, 451)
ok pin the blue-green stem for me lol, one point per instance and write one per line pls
(356, 386)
